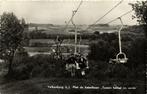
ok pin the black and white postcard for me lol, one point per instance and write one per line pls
(73, 46)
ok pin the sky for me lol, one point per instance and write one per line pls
(59, 11)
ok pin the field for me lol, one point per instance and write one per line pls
(66, 46)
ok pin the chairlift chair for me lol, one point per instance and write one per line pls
(120, 57)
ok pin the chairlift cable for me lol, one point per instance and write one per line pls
(74, 13)
(105, 14)
(119, 17)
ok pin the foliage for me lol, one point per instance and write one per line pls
(140, 8)
(99, 51)
(136, 55)
(42, 35)
(107, 47)
(10, 36)
(46, 66)
(37, 66)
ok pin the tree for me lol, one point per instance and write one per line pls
(10, 37)
(140, 8)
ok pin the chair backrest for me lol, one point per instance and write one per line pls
(121, 58)
(120, 55)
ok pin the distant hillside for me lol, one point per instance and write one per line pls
(60, 29)
(103, 25)
(40, 25)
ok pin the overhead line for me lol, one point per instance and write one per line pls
(106, 13)
(119, 17)
(74, 13)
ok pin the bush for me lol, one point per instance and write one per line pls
(39, 66)
(102, 50)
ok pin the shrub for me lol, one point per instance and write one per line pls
(39, 66)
